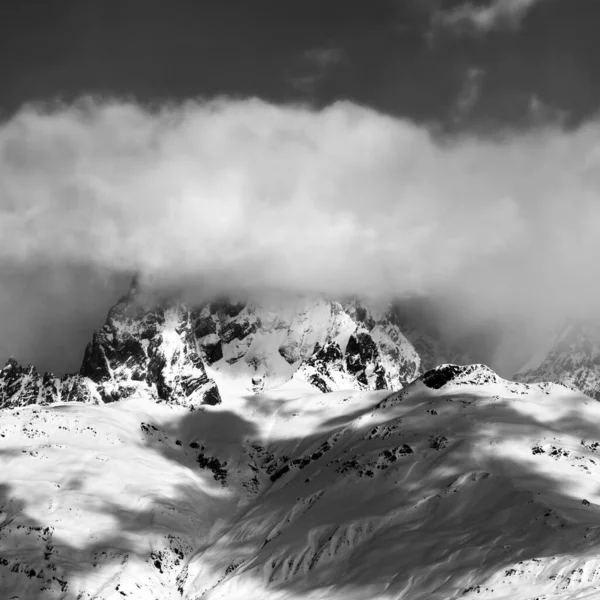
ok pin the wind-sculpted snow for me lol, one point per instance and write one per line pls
(470, 488)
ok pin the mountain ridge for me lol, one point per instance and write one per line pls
(170, 352)
(459, 485)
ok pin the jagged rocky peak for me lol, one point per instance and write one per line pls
(476, 374)
(21, 386)
(158, 347)
(329, 344)
(571, 358)
(482, 377)
(147, 345)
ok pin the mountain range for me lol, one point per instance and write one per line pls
(175, 353)
(312, 448)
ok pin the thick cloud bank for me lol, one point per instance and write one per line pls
(230, 194)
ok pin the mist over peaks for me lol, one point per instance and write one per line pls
(226, 195)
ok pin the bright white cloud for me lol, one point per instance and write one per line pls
(473, 18)
(246, 194)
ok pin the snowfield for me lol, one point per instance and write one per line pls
(461, 485)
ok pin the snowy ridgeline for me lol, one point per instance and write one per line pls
(175, 354)
(460, 485)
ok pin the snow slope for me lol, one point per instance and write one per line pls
(461, 485)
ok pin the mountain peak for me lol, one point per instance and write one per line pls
(11, 363)
(476, 374)
(161, 349)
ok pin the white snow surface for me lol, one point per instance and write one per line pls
(481, 488)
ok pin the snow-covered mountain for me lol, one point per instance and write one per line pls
(460, 485)
(331, 345)
(178, 354)
(142, 348)
(245, 450)
(572, 358)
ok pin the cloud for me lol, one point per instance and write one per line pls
(542, 112)
(470, 93)
(239, 194)
(472, 18)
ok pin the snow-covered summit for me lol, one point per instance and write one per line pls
(148, 349)
(476, 379)
(328, 344)
(171, 352)
(479, 375)
(144, 348)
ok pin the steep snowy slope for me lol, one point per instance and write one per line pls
(462, 485)
(331, 345)
(573, 358)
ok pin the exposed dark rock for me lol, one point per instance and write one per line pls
(148, 349)
(329, 353)
(212, 350)
(439, 377)
(237, 330)
(20, 386)
(319, 383)
(204, 326)
(362, 353)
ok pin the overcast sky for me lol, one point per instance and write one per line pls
(425, 146)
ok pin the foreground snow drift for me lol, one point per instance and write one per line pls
(461, 485)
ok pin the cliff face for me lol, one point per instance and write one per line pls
(142, 349)
(20, 386)
(330, 345)
(149, 350)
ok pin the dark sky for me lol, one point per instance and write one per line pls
(383, 53)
